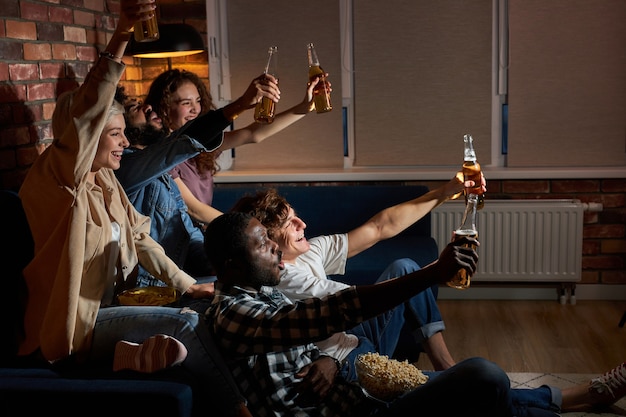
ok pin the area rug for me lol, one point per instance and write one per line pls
(533, 380)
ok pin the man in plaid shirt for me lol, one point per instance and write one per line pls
(269, 340)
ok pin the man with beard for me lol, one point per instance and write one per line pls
(144, 175)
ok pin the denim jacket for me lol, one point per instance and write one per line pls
(153, 192)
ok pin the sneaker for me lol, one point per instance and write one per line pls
(612, 384)
(155, 353)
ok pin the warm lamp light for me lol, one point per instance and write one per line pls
(176, 39)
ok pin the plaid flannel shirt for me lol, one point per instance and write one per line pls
(268, 339)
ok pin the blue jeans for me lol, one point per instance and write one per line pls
(474, 387)
(413, 321)
(213, 384)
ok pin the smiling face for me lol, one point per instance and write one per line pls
(264, 259)
(111, 145)
(139, 114)
(185, 105)
(290, 237)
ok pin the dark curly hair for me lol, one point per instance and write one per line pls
(225, 238)
(269, 207)
(160, 98)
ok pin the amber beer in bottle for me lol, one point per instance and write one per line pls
(264, 111)
(147, 30)
(471, 170)
(321, 95)
(461, 280)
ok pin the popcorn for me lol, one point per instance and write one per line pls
(385, 378)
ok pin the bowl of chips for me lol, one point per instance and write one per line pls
(385, 379)
(148, 296)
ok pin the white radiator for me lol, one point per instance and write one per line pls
(521, 240)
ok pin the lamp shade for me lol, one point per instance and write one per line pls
(175, 39)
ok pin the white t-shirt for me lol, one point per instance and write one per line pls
(308, 277)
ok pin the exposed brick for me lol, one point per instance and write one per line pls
(86, 53)
(23, 115)
(66, 85)
(50, 32)
(10, 8)
(12, 93)
(77, 70)
(591, 247)
(4, 71)
(613, 246)
(533, 186)
(590, 277)
(6, 114)
(603, 231)
(83, 18)
(42, 131)
(63, 51)
(590, 217)
(613, 277)
(21, 30)
(51, 70)
(74, 34)
(22, 72)
(7, 159)
(14, 136)
(613, 200)
(61, 15)
(48, 110)
(97, 5)
(75, 4)
(37, 51)
(26, 156)
(96, 37)
(33, 11)
(613, 215)
(575, 186)
(614, 185)
(602, 262)
(10, 50)
(35, 112)
(133, 73)
(41, 91)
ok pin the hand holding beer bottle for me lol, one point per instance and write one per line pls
(471, 171)
(264, 111)
(321, 94)
(461, 280)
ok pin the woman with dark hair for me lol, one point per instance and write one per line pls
(179, 96)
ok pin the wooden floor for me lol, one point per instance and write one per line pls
(536, 336)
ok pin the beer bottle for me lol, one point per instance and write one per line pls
(264, 111)
(321, 95)
(147, 30)
(461, 280)
(471, 170)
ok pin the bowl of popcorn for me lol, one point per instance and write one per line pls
(385, 379)
(148, 296)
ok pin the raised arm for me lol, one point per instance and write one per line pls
(393, 220)
(257, 132)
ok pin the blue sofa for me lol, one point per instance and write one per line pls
(27, 388)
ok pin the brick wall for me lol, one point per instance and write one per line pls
(48, 48)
